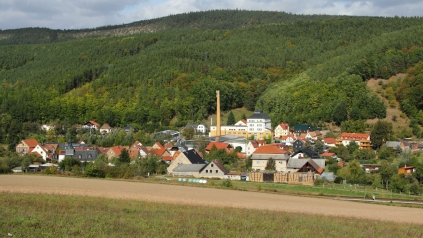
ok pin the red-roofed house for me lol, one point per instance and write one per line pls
(354, 137)
(262, 155)
(328, 154)
(91, 125)
(253, 145)
(281, 130)
(218, 145)
(157, 145)
(330, 142)
(115, 151)
(26, 146)
(46, 151)
(241, 122)
(289, 139)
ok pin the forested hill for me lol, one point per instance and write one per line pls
(208, 20)
(300, 71)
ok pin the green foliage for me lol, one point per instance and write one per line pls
(188, 133)
(124, 157)
(380, 133)
(68, 163)
(226, 183)
(231, 119)
(271, 164)
(386, 172)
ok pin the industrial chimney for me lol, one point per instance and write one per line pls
(218, 113)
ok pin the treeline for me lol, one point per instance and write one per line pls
(302, 71)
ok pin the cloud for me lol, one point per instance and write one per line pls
(76, 14)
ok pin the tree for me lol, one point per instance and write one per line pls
(231, 119)
(340, 113)
(68, 163)
(319, 146)
(271, 164)
(386, 172)
(124, 157)
(355, 170)
(188, 133)
(380, 133)
(352, 147)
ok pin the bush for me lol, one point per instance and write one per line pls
(338, 179)
(227, 183)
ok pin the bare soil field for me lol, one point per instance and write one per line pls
(174, 194)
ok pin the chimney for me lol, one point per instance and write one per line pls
(218, 113)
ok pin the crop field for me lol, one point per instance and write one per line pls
(46, 206)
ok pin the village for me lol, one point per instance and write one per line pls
(294, 155)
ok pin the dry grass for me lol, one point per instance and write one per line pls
(37, 215)
(400, 123)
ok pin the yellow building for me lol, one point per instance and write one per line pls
(257, 125)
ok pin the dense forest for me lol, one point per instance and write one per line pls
(297, 68)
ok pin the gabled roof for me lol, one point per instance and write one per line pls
(193, 168)
(159, 145)
(158, 152)
(219, 145)
(284, 126)
(257, 143)
(168, 145)
(329, 140)
(327, 154)
(94, 123)
(313, 164)
(31, 142)
(298, 163)
(194, 157)
(220, 166)
(269, 149)
(106, 126)
(310, 153)
(117, 150)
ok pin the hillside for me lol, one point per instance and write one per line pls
(296, 68)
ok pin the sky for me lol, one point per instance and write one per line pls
(78, 14)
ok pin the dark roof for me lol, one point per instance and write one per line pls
(194, 157)
(313, 164)
(258, 115)
(85, 155)
(310, 153)
(220, 166)
(302, 127)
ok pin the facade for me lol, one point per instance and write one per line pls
(258, 126)
(214, 169)
(261, 156)
(26, 146)
(186, 157)
(281, 130)
(105, 129)
(91, 125)
(361, 139)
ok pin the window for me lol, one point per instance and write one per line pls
(211, 165)
(207, 171)
(217, 171)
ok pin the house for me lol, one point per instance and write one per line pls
(261, 156)
(91, 125)
(26, 146)
(45, 151)
(362, 139)
(158, 146)
(129, 128)
(305, 153)
(368, 168)
(311, 166)
(84, 154)
(288, 140)
(241, 122)
(406, 170)
(186, 158)
(115, 151)
(329, 142)
(214, 169)
(301, 165)
(218, 145)
(395, 145)
(298, 145)
(105, 129)
(281, 130)
(234, 141)
(253, 145)
(301, 128)
(328, 154)
(201, 128)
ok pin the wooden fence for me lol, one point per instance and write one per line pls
(289, 178)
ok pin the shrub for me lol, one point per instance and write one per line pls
(226, 183)
(338, 179)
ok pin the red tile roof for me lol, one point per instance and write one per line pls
(354, 136)
(327, 154)
(158, 152)
(160, 145)
(269, 149)
(168, 158)
(95, 123)
(32, 143)
(329, 140)
(284, 126)
(219, 145)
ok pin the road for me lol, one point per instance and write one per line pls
(175, 194)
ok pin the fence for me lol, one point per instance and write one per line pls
(289, 178)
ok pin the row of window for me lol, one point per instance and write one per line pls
(211, 171)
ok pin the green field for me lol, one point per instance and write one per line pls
(37, 215)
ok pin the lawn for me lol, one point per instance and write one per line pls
(42, 215)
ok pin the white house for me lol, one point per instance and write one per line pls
(262, 155)
(282, 130)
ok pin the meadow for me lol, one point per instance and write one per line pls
(43, 215)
